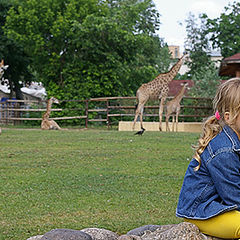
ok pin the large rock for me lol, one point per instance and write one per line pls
(141, 230)
(100, 234)
(66, 234)
(182, 231)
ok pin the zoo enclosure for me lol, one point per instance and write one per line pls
(108, 110)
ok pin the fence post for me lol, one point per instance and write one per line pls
(7, 112)
(108, 119)
(86, 113)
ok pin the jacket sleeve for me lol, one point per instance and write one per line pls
(224, 169)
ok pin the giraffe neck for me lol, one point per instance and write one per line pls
(179, 96)
(49, 107)
(169, 76)
(175, 68)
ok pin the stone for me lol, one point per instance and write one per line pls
(181, 231)
(100, 234)
(66, 234)
(38, 237)
(129, 237)
(140, 230)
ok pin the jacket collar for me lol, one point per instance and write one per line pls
(233, 137)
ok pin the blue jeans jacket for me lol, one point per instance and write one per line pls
(215, 187)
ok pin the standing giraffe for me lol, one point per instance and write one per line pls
(173, 108)
(46, 123)
(156, 89)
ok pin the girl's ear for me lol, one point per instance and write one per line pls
(226, 116)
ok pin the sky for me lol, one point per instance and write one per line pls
(174, 12)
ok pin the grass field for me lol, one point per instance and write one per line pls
(89, 178)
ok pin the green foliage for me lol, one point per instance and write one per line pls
(202, 70)
(224, 30)
(13, 55)
(196, 109)
(206, 81)
(197, 44)
(89, 48)
(79, 179)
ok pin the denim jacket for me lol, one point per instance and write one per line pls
(215, 187)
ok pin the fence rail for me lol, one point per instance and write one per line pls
(107, 110)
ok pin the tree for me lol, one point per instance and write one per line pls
(224, 30)
(89, 48)
(197, 43)
(13, 55)
(206, 80)
(202, 70)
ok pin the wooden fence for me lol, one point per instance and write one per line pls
(108, 110)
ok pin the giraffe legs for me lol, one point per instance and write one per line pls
(141, 118)
(161, 112)
(139, 112)
(167, 124)
(173, 123)
(177, 121)
(49, 125)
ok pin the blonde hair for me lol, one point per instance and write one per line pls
(227, 99)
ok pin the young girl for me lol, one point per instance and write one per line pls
(210, 194)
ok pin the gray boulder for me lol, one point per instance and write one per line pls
(66, 234)
(100, 234)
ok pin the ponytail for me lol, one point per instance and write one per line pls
(211, 127)
(227, 99)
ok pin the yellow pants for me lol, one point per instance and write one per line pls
(225, 225)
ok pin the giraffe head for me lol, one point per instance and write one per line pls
(185, 57)
(54, 100)
(185, 85)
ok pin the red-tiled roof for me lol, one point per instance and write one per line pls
(230, 66)
(176, 85)
(233, 57)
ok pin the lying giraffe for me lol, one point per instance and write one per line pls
(156, 89)
(46, 123)
(173, 108)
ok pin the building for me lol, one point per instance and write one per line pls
(175, 51)
(176, 85)
(230, 66)
(216, 57)
(35, 91)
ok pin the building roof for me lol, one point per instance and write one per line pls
(230, 66)
(233, 58)
(175, 87)
(35, 90)
(215, 54)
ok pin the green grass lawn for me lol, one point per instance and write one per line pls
(89, 178)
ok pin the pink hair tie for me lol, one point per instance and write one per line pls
(217, 115)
